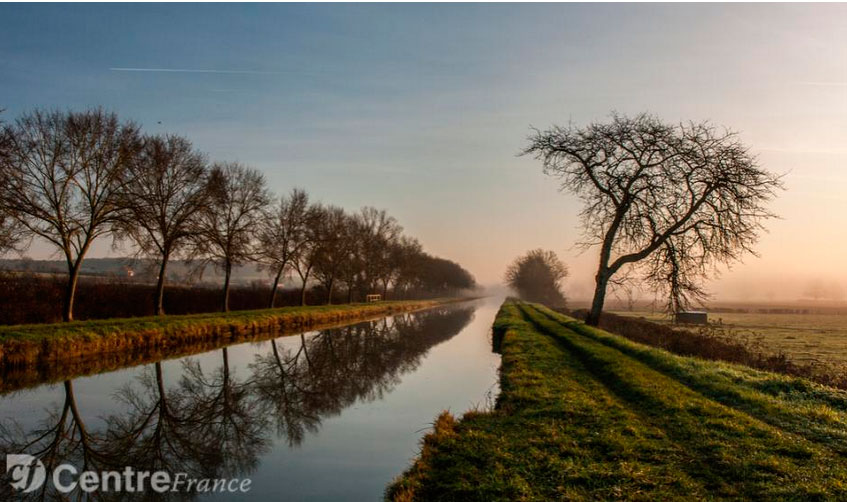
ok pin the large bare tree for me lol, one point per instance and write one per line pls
(164, 192)
(64, 172)
(283, 235)
(691, 191)
(227, 223)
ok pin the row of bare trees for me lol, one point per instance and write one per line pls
(73, 177)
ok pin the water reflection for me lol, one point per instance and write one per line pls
(217, 423)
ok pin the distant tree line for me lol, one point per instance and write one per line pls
(70, 178)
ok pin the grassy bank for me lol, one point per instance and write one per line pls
(584, 414)
(38, 348)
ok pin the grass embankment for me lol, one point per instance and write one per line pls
(584, 414)
(39, 352)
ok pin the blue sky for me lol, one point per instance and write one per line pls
(421, 109)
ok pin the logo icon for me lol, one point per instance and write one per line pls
(27, 472)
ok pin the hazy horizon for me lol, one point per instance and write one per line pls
(422, 109)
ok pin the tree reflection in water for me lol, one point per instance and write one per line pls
(62, 437)
(217, 425)
(333, 369)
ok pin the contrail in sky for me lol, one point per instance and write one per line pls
(825, 84)
(188, 70)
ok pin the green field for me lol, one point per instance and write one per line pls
(818, 338)
(584, 414)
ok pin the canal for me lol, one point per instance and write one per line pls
(325, 415)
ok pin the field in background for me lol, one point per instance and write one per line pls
(804, 337)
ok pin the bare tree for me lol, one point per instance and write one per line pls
(283, 235)
(164, 192)
(310, 250)
(352, 269)
(227, 222)
(690, 189)
(336, 243)
(537, 276)
(64, 172)
(381, 232)
(406, 260)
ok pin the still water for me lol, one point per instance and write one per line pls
(325, 415)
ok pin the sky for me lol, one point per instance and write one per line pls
(423, 109)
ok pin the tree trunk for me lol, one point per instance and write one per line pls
(70, 292)
(602, 280)
(160, 286)
(303, 289)
(350, 294)
(385, 290)
(160, 382)
(227, 389)
(77, 417)
(227, 274)
(306, 352)
(275, 286)
(604, 272)
(329, 292)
